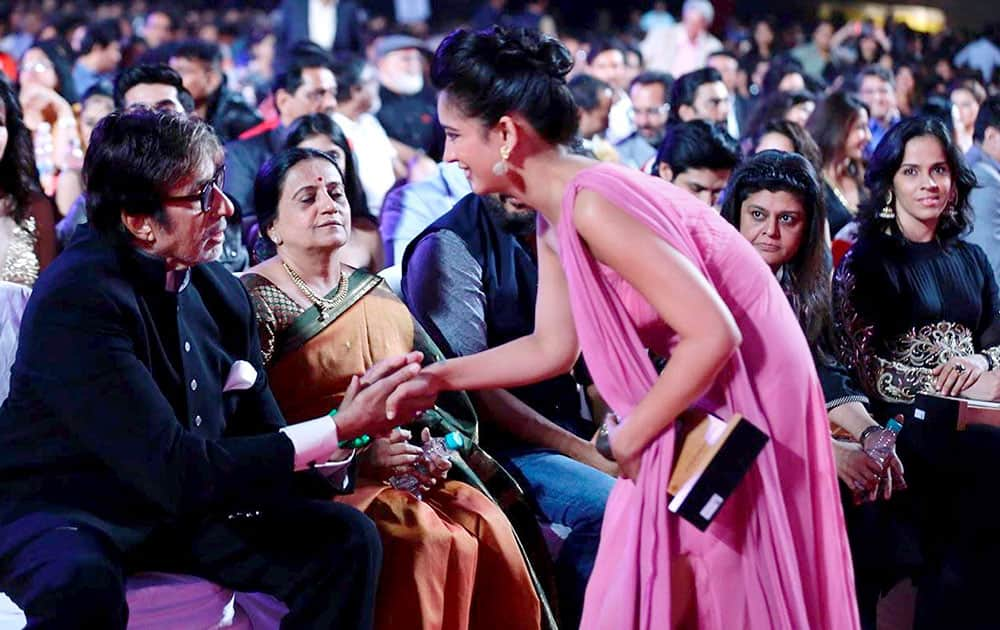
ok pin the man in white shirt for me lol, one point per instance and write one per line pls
(684, 47)
(357, 98)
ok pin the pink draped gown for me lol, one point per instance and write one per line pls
(776, 555)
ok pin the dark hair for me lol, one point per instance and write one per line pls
(806, 277)
(780, 68)
(135, 157)
(149, 75)
(972, 86)
(304, 54)
(169, 13)
(774, 106)
(59, 54)
(686, 86)
(603, 45)
(348, 68)
(802, 142)
(200, 50)
(101, 33)
(101, 88)
(885, 163)
(491, 73)
(586, 90)
(989, 116)
(830, 123)
(877, 71)
(323, 125)
(723, 53)
(18, 175)
(269, 182)
(697, 144)
(652, 77)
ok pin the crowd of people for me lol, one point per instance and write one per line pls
(235, 224)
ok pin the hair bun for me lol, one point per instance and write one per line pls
(521, 49)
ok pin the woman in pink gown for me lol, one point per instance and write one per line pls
(629, 262)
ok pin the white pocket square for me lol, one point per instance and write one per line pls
(241, 376)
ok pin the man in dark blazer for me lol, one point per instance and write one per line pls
(140, 433)
(340, 20)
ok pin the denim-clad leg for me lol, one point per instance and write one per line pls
(572, 494)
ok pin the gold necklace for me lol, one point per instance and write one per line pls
(322, 304)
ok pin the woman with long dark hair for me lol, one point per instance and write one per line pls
(319, 131)
(840, 128)
(916, 311)
(27, 220)
(629, 263)
(774, 200)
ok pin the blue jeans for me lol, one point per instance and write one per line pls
(573, 494)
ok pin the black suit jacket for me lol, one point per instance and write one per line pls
(294, 27)
(243, 159)
(116, 416)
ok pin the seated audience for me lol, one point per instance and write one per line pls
(683, 47)
(140, 433)
(408, 106)
(916, 311)
(877, 89)
(984, 200)
(967, 96)
(27, 231)
(698, 157)
(408, 209)
(379, 163)
(650, 109)
(794, 107)
(318, 131)
(100, 54)
(308, 86)
(728, 66)
(451, 560)
(789, 137)
(840, 128)
(593, 99)
(775, 201)
(470, 280)
(606, 61)
(200, 66)
(700, 95)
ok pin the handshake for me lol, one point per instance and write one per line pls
(391, 393)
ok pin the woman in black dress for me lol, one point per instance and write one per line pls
(916, 311)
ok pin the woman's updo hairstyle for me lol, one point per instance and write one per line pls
(495, 72)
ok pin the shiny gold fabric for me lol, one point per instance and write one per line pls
(20, 265)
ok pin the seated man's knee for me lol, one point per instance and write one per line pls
(86, 590)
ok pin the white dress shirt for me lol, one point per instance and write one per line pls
(323, 22)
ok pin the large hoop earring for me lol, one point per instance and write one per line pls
(500, 168)
(888, 211)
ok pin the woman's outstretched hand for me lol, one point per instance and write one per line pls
(419, 393)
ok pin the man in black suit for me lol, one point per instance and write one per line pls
(307, 87)
(332, 24)
(140, 433)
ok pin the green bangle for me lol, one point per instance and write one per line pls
(358, 442)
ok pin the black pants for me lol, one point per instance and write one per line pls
(318, 557)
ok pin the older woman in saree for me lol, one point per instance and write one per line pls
(452, 559)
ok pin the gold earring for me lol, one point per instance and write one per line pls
(277, 240)
(500, 168)
(888, 211)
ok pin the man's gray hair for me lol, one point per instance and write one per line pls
(702, 6)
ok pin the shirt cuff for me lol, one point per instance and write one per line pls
(315, 441)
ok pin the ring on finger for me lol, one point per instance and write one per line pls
(960, 368)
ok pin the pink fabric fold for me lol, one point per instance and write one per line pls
(776, 555)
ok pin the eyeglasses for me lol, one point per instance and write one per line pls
(662, 110)
(206, 193)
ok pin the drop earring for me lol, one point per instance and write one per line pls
(949, 210)
(500, 168)
(888, 211)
